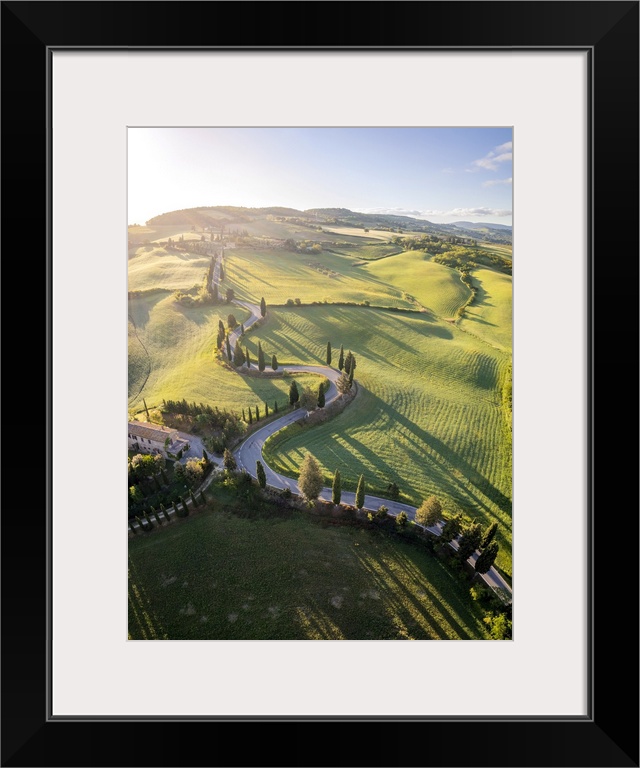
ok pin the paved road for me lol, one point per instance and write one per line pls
(250, 451)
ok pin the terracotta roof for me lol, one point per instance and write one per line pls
(154, 432)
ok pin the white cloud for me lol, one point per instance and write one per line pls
(479, 212)
(390, 211)
(458, 212)
(492, 160)
(493, 182)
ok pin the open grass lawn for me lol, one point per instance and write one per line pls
(428, 415)
(216, 576)
(372, 234)
(155, 267)
(157, 232)
(171, 356)
(490, 314)
(367, 251)
(498, 248)
(279, 275)
(435, 286)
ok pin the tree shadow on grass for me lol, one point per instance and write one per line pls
(451, 458)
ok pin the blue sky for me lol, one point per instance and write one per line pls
(439, 174)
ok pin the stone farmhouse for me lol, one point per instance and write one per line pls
(153, 438)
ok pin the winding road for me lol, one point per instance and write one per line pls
(250, 450)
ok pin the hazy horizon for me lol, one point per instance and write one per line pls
(441, 175)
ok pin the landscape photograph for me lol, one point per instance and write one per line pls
(319, 393)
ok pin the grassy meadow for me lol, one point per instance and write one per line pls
(435, 286)
(153, 267)
(428, 415)
(172, 356)
(490, 314)
(429, 411)
(279, 275)
(219, 576)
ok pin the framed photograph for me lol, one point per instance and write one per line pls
(563, 78)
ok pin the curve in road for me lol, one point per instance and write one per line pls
(250, 450)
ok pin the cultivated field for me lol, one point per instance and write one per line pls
(429, 412)
(219, 576)
(490, 315)
(178, 358)
(372, 234)
(435, 286)
(428, 415)
(279, 275)
(154, 267)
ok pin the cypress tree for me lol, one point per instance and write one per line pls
(260, 474)
(242, 329)
(205, 456)
(203, 498)
(257, 413)
(132, 528)
(351, 375)
(193, 500)
(261, 365)
(341, 358)
(328, 353)
(164, 512)
(348, 362)
(238, 356)
(360, 493)
(294, 395)
(184, 507)
(488, 535)
(228, 349)
(336, 488)
(139, 521)
(266, 410)
(146, 410)
(487, 557)
(321, 395)
(163, 474)
(274, 362)
(244, 418)
(469, 541)
(148, 519)
(275, 406)
(248, 357)
(263, 307)
(250, 417)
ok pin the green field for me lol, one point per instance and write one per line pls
(429, 412)
(490, 314)
(435, 286)
(366, 251)
(178, 358)
(371, 234)
(428, 415)
(279, 275)
(154, 267)
(217, 576)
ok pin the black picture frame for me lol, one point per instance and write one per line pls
(608, 736)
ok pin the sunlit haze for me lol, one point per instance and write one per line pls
(439, 174)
